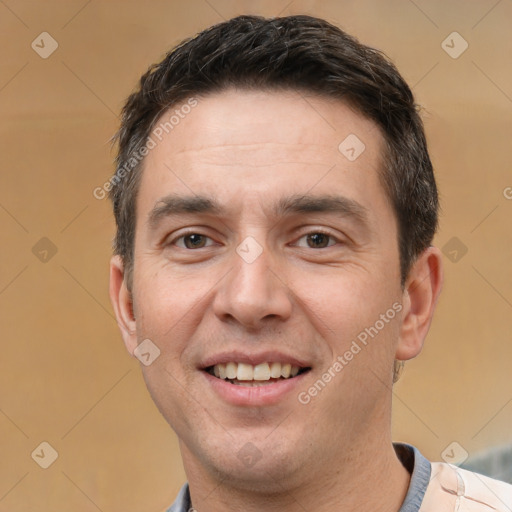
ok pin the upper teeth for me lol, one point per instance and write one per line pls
(263, 371)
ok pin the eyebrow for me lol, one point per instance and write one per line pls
(174, 205)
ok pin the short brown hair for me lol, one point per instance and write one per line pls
(298, 53)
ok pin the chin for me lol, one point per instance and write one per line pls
(253, 463)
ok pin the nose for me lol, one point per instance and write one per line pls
(254, 292)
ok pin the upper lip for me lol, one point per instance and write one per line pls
(255, 358)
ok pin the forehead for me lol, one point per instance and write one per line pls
(238, 144)
(251, 117)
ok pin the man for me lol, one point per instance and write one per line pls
(275, 207)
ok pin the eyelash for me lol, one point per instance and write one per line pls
(313, 232)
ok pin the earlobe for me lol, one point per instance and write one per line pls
(121, 300)
(420, 297)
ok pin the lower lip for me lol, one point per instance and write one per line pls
(267, 394)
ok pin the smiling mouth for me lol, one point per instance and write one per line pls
(242, 374)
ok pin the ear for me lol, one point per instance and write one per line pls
(419, 300)
(121, 300)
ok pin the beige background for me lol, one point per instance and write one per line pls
(65, 377)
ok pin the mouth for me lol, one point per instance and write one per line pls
(248, 375)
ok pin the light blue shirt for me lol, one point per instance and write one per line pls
(411, 458)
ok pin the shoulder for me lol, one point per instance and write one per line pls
(455, 489)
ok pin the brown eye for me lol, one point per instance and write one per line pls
(192, 241)
(195, 241)
(318, 240)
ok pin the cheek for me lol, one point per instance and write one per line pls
(355, 317)
(345, 301)
(171, 393)
(165, 298)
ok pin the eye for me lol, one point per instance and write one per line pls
(318, 240)
(191, 241)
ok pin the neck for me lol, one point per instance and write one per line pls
(369, 474)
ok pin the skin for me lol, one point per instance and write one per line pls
(248, 149)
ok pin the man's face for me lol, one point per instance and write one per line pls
(266, 278)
